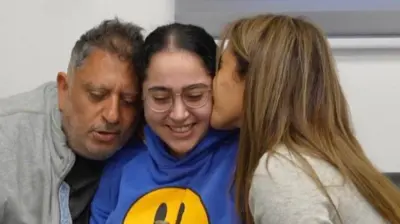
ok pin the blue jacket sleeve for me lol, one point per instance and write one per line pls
(106, 198)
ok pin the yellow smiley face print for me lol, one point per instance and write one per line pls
(170, 205)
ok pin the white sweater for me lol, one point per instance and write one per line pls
(289, 196)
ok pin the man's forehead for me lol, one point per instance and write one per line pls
(109, 87)
(110, 82)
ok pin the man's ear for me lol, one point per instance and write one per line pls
(62, 89)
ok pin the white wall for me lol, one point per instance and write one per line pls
(371, 81)
(37, 36)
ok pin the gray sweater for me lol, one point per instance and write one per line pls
(34, 159)
(289, 196)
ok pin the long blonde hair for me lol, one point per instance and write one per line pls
(293, 97)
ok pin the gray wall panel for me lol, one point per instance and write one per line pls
(337, 17)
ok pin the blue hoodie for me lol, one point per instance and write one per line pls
(143, 183)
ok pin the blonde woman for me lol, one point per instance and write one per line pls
(299, 160)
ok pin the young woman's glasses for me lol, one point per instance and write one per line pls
(162, 100)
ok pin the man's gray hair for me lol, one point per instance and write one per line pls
(114, 36)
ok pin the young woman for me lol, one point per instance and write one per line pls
(183, 171)
(299, 160)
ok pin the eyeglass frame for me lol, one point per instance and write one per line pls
(207, 90)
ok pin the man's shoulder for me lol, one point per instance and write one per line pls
(37, 101)
(23, 116)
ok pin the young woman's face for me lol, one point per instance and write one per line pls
(228, 90)
(178, 102)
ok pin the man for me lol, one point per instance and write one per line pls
(53, 139)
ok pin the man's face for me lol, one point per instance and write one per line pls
(98, 105)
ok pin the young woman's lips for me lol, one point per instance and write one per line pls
(182, 131)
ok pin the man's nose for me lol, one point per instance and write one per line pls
(179, 111)
(111, 110)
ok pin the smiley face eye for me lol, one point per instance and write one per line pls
(180, 213)
(161, 214)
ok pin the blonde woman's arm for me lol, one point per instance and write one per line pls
(286, 195)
